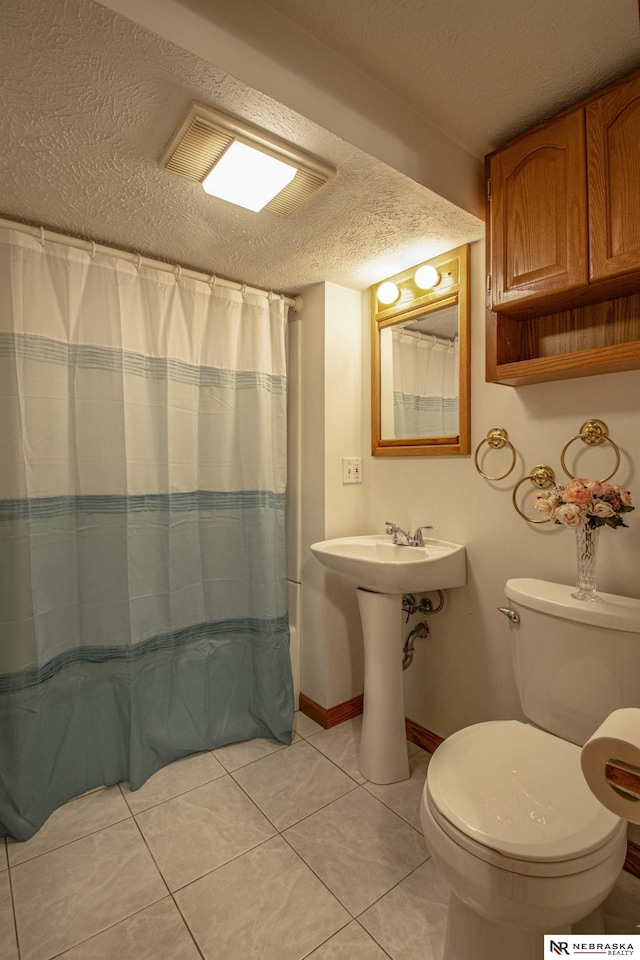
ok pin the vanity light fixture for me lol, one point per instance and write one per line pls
(426, 277)
(223, 153)
(388, 293)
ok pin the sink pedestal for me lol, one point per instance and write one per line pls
(383, 745)
(374, 563)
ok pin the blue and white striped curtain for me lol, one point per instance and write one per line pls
(425, 386)
(143, 611)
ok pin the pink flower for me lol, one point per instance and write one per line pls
(625, 496)
(575, 492)
(570, 515)
(596, 488)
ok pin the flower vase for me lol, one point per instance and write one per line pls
(587, 550)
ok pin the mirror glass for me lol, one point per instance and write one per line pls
(420, 352)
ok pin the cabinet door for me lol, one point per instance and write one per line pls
(613, 150)
(539, 213)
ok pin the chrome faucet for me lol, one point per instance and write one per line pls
(418, 539)
(403, 538)
(400, 536)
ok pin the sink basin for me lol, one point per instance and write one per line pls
(375, 563)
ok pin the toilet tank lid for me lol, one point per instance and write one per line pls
(613, 613)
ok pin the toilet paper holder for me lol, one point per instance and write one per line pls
(623, 778)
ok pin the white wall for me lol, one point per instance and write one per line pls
(293, 499)
(331, 641)
(462, 673)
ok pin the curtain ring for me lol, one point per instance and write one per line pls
(212, 281)
(541, 477)
(497, 438)
(92, 253)
(178, 273)
(243, 290)
(138, 263)
(270, 297)
(42, 237)
(593, 433)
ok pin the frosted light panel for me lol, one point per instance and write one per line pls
(247, 177)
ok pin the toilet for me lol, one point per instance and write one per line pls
(522, 843)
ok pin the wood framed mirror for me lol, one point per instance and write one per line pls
(420, 353)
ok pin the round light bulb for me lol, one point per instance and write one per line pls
(426, 277)
(388, 292)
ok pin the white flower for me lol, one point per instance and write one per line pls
(543, 503)
(601, 509)
(570, 515)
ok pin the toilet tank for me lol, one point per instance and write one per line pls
(575, 661)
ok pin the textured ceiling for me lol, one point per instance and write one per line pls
(481, 72)
(88, 100)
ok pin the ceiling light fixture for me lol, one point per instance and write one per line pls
(221, 152)
(247, 177)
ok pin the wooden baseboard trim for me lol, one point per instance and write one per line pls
(632, 863)
(330, 716)
(422, 737)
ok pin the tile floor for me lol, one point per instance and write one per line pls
(252, 852)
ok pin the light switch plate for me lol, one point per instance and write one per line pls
(352, 469)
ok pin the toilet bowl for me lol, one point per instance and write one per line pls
(524, 846)
(522, 843)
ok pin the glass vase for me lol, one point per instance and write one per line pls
(587, 551)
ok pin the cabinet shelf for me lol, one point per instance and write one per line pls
(564, 244)
(591, 339)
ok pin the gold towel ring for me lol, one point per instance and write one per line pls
(497, 438)
(541, 477)
(593, 433)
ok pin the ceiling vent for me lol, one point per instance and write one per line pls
(205, 135)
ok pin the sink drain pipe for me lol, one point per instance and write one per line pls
(421, 630)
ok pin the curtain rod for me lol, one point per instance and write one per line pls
(91, 247)
(420, 335)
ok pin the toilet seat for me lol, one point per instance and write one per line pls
(528, 868)
(515, 795)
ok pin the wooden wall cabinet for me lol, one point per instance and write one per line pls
(539, 214)
(564, 244)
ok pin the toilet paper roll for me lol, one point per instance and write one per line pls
(611, 763)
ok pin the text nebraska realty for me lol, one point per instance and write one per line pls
(605, 949)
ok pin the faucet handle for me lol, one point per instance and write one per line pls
(391, 527)
(418, 539)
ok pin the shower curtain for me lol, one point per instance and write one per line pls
(143, 611)
(425, 386)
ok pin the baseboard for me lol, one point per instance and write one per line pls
(422, 737)
(632, 863)
(331, 716)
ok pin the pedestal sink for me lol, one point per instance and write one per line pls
(382, 571)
